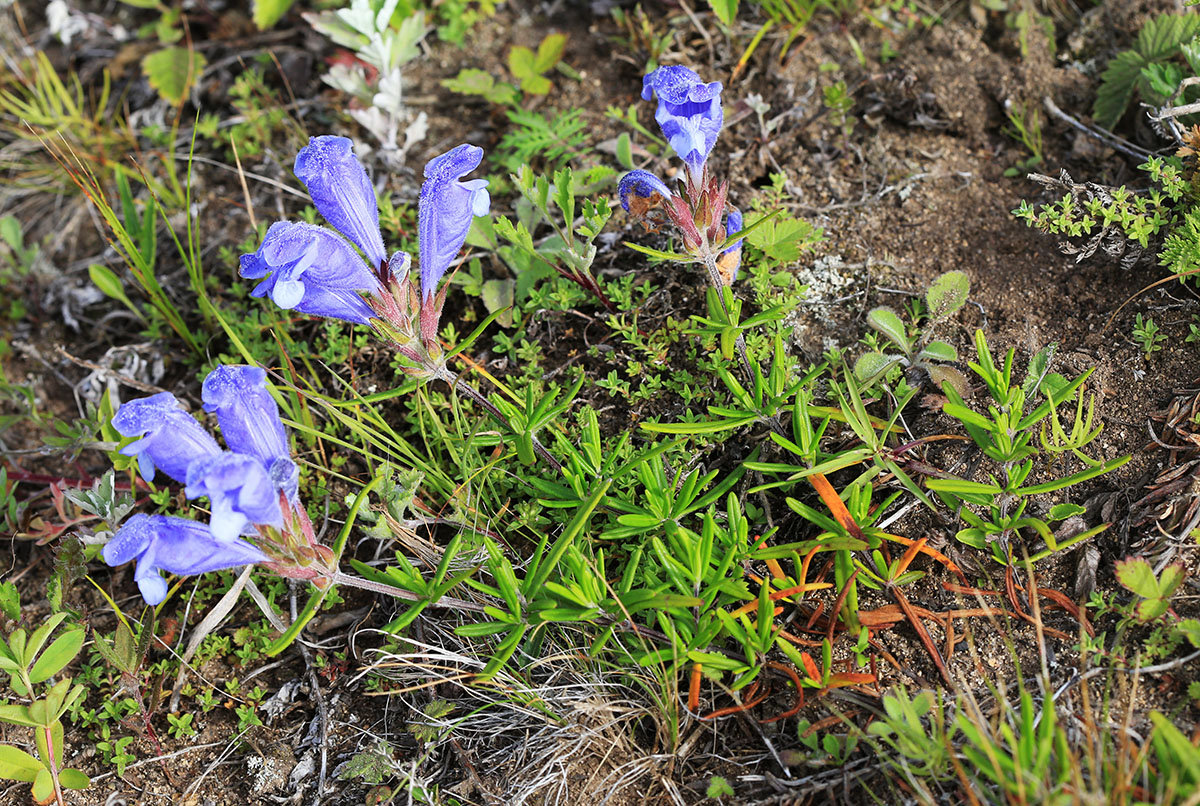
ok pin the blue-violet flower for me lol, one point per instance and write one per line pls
(171, 438)
(240, 492)
(249, 420)
(642, 185)
(689, 112)
(730, 259)
(312, 270)
(342, 193)
(445, 210)
(175, 545)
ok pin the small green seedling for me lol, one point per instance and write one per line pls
(921, 351)
(1136, 575)
(30, 663)
(1147, 335)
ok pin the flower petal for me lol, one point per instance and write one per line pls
(445, 211)
(689, 112)
(342, 193)
(240, 491)
(129, 542)
(246, 412)
(642, 184)
(730, 259)
(733, 224)
(172, 438)
(177, 545)
(301, 263)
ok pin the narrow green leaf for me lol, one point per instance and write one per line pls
(726, 10)
(57, 655)
(1074, 478)
(533, 582)
(660, 255)
(40, 636)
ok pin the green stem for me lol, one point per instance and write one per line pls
(714, 277)
(457, 383)
(339, 578)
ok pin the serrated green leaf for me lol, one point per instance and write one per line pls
(1161, 36)
(10, 601)
(1117, 84)
(1190, 628)
(1170, 579)
(173, 71)
(1136, 574)
(269, 12)
(1160, 39)
(1150, 609)
(781, 238)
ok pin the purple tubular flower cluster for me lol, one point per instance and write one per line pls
(689, 112)
(175, 545)
(445, 210)
(642, 184)
(313, 269)
(243, 484)
(171, 439)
